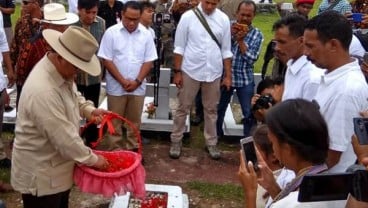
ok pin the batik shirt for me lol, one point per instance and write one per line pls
(21, 45)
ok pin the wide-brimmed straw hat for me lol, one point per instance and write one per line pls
(54, 13)
(77, 46)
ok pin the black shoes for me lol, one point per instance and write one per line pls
(5, 163)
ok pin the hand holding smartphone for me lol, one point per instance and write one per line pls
(249, 151)
(357, 17)
(361, 130)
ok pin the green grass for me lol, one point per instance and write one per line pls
(264, 22)
(5, 175)
(218, 191)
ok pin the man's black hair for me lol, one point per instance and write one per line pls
(264, 84)
(133, 5)
(88, 4)
(248, 2)
(331, 25)
(147, 4)
(294, 22)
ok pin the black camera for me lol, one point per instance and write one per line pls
(264, 102)
(335, 186)
(166, 18)
(159, 18)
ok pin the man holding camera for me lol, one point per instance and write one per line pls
(167, 27)
(343, 92)
(200, 60)
(246, 45)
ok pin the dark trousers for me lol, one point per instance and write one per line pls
(59, 200)
(19, 90)
(92, 93)
(199, 105)
(245, 95)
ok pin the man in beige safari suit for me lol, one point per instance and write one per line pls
(47, 143)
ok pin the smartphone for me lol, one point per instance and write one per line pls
(325, 187)
(357, 17)
(249, 151)
(361, 130)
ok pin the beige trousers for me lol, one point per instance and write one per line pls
(130, 107)
(210, 98)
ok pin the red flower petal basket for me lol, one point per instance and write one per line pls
(125, 173)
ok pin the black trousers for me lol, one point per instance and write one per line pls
(59, 200)
(92, 93)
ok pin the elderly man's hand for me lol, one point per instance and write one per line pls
(97, 115)
(101, 163)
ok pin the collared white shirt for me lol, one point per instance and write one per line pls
(342, 94)
(73, 6)
(4, 47)
(202, 58)
(152, 31)
(128, 51)
(356, 49)
(301, 79)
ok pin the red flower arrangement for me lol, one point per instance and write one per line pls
(117, 163)
(151, 109)
(152, 200)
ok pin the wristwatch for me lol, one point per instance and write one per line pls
(138, 81)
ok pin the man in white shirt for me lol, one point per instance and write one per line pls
(199, 63)
(128, 52)
(302, 77)
(343, 92)
(148, 9)
(356, 48)
(4, 98)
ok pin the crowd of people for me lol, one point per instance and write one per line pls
(301, 117)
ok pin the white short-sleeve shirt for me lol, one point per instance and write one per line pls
(4, 47)
(128, 51)
(301, 79)
(342, 94)
(356, 48)
(202, 57)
